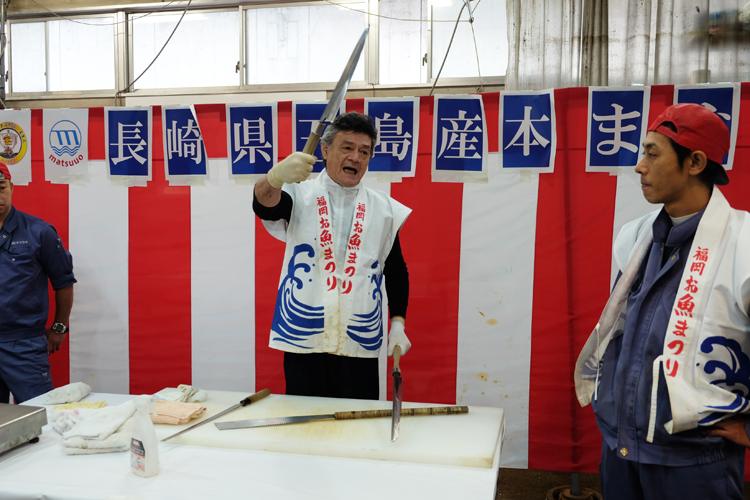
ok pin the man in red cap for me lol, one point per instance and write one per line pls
(31, 254)
(667, 368)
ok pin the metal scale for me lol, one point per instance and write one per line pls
(20, 424)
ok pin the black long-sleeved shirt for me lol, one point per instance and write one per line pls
(394, 269)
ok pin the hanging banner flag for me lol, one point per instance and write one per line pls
(617, 127)
(66, 145)
(397, 121)
(305, 114)
(721, 98)
(185, 161)
(459, 139)
(528, 137)
(251, 140)
(127, 135)
(15, 144)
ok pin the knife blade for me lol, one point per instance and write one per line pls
(248, 400)
(340, 415)
(338, 95)
(397, 393)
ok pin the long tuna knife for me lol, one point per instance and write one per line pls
(248, 400)
(398, 390)
(340, 415)
(338, 95)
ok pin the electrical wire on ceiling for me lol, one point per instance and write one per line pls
(388, 17)
(476, 50)
(133, 18)
(117, 95)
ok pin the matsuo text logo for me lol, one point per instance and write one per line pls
(65, 141)
(13, 144)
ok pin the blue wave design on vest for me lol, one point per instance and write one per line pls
(736, 376)
(293, 320)
(371, 323)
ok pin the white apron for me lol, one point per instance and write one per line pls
(330, 296)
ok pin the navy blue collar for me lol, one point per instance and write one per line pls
(11, 221)
(673, 236)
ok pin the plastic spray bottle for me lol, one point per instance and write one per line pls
(144, 447)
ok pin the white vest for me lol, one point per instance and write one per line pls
(330, 296)
(705, 355)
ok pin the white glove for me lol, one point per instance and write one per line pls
(294, 168)
(398, 337)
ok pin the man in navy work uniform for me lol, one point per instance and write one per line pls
(30, 254)
(667, 368)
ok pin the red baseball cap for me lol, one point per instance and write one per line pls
(4, 172)
(698, 129)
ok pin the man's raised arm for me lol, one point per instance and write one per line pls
(294, 168)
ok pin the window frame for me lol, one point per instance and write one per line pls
(123, 57)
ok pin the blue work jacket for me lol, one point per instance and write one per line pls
(31, 253)
(624, 396)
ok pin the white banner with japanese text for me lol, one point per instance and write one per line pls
(15, 144)
(459, 139)
(397, 122)
(252, 140)
(66, 145)
(128, 146)
(528, 134)
(185, 161)
(617, 126)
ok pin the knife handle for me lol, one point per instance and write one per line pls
(314, 138)
(255, 397)
(439, 410)
(396, 357)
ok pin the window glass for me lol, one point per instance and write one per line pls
(203, 52)
(82, 54)
(403, 44)
(302, 44)
(28, 58)
(490, 31)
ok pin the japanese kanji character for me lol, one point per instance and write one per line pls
(680, 328)
(697, 267)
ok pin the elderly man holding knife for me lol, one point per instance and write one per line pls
(341, 240)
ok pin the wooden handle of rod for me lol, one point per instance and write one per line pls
(312, 141)
(255, 397)
(439, 410)
(396, 357)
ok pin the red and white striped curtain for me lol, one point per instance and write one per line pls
(176, 285)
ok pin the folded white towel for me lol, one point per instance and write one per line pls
(116, 442)
(68, 393)
(184, 394)
(64, 420)
(100, 423)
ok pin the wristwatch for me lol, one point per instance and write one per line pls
(59, 328)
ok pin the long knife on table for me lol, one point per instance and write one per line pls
(248, 400)
(340, 415)
(338, 95)
(398, 390)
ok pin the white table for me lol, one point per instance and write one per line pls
(42, 470)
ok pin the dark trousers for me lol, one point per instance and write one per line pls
(330, 376)
(625, 480)
(24, 369)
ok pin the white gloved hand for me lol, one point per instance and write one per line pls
(294, 168)
(397, 336)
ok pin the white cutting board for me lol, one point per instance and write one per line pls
(468, 440)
